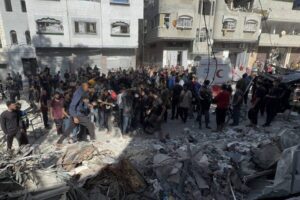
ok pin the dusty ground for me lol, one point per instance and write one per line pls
(140, 148)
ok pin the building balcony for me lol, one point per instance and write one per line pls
(277, 40)
(162, 33)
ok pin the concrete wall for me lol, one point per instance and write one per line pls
(128, 13)
(12, 54)
(68, 51)
(239, 35)
(175, 8)
(103, 14)
(281, 16)
(278, 10)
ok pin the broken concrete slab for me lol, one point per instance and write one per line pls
(286, 180)
(75, 155)
(266, 155)
(289, 138)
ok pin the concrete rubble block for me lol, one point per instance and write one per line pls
(266, 155)
(75, 155)
(44, 179)
(135, 180)
(166, 166)
(289, 138)
(287, 178)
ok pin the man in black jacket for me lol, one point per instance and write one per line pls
(10, 124)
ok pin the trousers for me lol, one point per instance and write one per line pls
(84, 121)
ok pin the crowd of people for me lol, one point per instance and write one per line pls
(80, 102)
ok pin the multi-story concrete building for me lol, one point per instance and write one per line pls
(181, 32)
(280, 31)
(236, 31)
(175, 31)
(16, 49)
(68, 34)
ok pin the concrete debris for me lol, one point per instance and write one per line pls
(194, 165)
(287, 180)
(75, 155)
(266, 155)
(289, 138)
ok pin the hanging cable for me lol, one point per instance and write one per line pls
(209, 45)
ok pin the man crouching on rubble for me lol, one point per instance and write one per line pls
(11, 126)
(76, 111)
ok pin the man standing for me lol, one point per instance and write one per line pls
(44, 108)
(236, 105)
(10, 124)
(176, 99)
(57, 112)
(222, 100)
(76, 107)
(257, 102)
(205, 102)
(273, 102)
(185, 103)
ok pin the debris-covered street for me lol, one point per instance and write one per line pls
(149, 99)
(239, 163)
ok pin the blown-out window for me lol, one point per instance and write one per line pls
(185, 22)
(49, 26)
(120, 28)
(250, 26)
(85, 27)
(229, 24)
(13, 37)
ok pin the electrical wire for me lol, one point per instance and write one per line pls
(266, 24)
(209, 45)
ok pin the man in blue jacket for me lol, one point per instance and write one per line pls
(77, 111)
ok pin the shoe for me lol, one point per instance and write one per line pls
(266, 125)
(208, 127)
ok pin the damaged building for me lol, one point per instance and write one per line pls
(245, 31)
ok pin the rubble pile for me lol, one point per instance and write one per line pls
(193, 165)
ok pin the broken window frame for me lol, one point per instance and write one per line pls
(13, 37)
(250, 26)
(167, 20)
(84, 27)
(123, 26)
(229, 24)
(45, 26)
(184, 22)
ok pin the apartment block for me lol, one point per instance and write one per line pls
(67, 34)
(181, 32)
